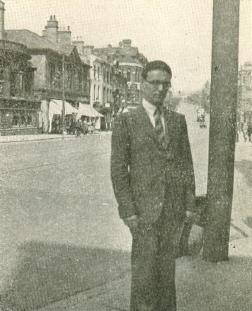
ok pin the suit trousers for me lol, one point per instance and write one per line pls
(154, 251)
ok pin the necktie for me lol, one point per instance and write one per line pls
(159, 126)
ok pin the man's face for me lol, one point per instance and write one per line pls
(156, 86)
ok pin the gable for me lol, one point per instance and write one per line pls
(75, 57)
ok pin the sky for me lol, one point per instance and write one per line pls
(176, 31)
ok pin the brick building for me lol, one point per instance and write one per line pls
(107, 83)
(131, 64)
(19, 110)
(60, 72)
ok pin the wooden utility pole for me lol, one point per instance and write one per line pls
(223, 99)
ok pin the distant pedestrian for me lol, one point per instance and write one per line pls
(238, 131)
(244, 130)
(78, 127)
(72, 127)
(85, 127)
(249, 130)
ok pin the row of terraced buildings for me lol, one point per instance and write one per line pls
(45, 77)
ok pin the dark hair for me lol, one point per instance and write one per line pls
(154, 65)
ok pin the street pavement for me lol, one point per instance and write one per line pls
(25, 138)
(201, 286)
(60, 232)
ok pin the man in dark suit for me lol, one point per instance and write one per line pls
(153, 180)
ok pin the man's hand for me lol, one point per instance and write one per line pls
(131, 222)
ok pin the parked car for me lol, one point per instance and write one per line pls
(202, 121)
(200, 114)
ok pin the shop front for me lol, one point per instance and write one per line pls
(89, 115)
(19, 117)
(55, 116)
(106, 124)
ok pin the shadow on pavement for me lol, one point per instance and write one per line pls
(201, 286)
(224, 286)
(248, 222)
(245, 168)
(46, 273)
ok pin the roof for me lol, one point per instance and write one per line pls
(100, 60)
(129, 59)
(34, 41)
(67, 49)
(88, 111)
(132, 51)
(31, 39)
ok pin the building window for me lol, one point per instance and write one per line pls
(28, 82)
(98, 93)
(99, 73)
(128, 75)
(75, 79)
(1, 74)
(29, 119)
(68, 76)
(95, 72)
(125, 73)
(15, 119)
(23, 119)
(80, 80)
(13, 84)
(104, 95)
(2, 77)
(52, 70)
(94, 93)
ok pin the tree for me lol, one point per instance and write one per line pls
(201, 98)
(205, 95)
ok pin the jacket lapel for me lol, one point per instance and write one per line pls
(147, 126)
(146, 123)
(169, 124)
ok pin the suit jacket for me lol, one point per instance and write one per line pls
(143, 171)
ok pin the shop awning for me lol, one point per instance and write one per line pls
(56, 107)
(88, 111)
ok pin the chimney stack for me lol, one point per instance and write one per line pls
(51, 29)
(126, 43)
(79, 43)
(2, 30)
(64, 36)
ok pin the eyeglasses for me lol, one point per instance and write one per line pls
(156, 83)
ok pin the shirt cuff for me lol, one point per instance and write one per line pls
(131, 217)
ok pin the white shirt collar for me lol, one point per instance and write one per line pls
(150, 108)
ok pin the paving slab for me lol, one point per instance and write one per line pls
(201, 286)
